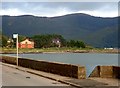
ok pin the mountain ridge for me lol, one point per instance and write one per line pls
(72, 26)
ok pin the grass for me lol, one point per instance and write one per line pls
(56, 49)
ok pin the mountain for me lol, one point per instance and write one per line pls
(96, 31)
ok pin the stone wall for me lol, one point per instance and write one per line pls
(106, 72)
(7, 59)
(69, 70)
(95, 72)
(81, 72)
(116, 72)
(51, 67)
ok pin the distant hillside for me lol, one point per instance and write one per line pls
(96, 31)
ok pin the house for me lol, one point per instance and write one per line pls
(9, 43)
(26, 44)
(57, 42)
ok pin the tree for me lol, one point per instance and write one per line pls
(21, 38)
(71, 43)
(82, 44)
(78, 44)
(4, 41)
(46, 41)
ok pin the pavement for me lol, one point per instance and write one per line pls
(78, 83)
(15, 77)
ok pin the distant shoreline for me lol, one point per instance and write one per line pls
(114, 51)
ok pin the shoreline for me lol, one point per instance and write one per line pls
(66, 51)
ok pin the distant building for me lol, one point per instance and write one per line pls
(109, 48)
(26, 44)
(57, 42)
(9, 43)
(9, 40)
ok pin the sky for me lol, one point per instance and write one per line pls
(51, 9)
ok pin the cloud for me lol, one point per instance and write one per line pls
(11, 12)
(51, 9)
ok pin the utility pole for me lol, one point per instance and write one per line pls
(16, 36)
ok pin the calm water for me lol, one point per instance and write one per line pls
(85, 59)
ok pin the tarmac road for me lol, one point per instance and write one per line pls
(14, 77)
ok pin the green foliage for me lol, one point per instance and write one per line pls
(71, 43)
(81, 44)
(45, 41)
(78, 44)
(21, 38)
(4, 41)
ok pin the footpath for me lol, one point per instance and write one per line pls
(91, 82)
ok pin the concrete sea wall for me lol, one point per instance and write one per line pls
(106, 72)
(7, 59)
(68, 70)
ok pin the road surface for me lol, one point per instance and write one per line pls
(14, 77)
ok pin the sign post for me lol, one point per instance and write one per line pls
(16, 36)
